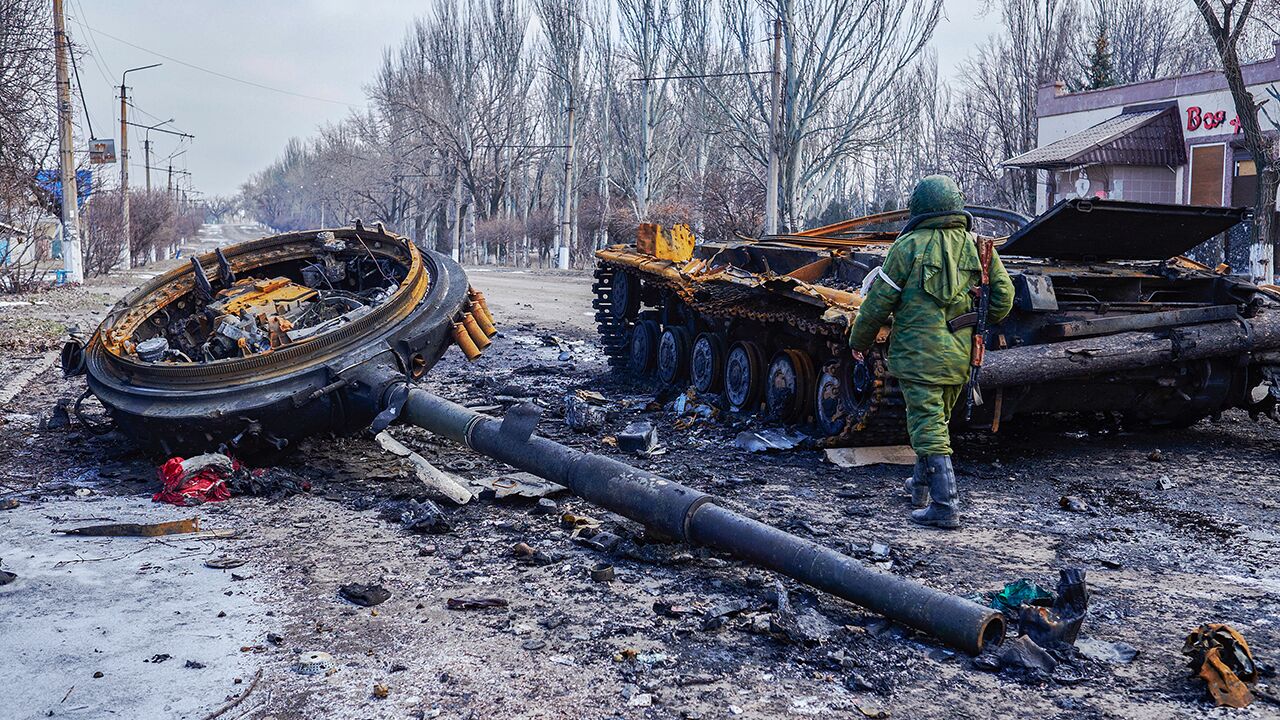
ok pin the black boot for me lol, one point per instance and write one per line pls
(944, 505)
(918, 486)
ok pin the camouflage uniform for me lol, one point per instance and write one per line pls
(925, 281)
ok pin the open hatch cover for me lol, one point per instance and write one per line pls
(1093, 229)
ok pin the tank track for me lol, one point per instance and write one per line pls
(613, 331)
(882, 422)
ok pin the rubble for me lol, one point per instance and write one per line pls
(175, 527)
(365, 595)
(638, 438)
(1220, 656)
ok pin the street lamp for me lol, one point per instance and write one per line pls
(126, 255)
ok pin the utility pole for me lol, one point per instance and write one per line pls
(775, 109)
(146, 149)
(566, 208)
(126, 255)
(72, 260)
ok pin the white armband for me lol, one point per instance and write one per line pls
(871, 277)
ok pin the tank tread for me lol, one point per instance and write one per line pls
(613, 332)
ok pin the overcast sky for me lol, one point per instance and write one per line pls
(326, 49)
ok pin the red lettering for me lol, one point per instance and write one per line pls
(1193, 118)
(1235, 123)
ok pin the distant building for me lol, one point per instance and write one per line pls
(1172, 140)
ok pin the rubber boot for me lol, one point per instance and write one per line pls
(944, 505)
(918, 486)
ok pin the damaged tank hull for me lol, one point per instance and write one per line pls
(1107, 319)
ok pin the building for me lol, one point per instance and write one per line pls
(1172, 140)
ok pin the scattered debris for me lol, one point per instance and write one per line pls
(236, 700)
(429, 474)
(475, 603)
(1156, 456)
(224, 563)
(602, 572)
(638, 438)
(8, 504)
(159, 658)
(423, 517)
(581, 415)
(861, 456)
(364, 595)
(769, 440)
(1018, 593)
(518, 484)
(1071, 503)
(194, 665)
(1165, 483)
(314, 663)
(545, 506)
(1118, 653)
(196, 480)
(6, 577)
(1060, 624)
(175, 527)
(1023, 654)
(529, 555)
(1221, 657)
(381, 691)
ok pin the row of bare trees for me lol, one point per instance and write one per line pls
(504, 130)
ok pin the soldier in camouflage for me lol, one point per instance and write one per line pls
(927, 280)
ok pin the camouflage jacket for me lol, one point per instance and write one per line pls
(925, 281)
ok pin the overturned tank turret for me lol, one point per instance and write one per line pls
(1107, 318)
(249, 348)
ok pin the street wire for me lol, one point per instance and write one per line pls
(214, 72)
(76, 71)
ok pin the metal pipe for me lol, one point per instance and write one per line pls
(683, 513)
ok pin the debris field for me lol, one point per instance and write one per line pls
(348, 587)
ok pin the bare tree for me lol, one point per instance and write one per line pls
(1226, 20)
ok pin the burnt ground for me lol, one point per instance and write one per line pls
(1159, 563)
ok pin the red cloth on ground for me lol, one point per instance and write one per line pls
(207, 485)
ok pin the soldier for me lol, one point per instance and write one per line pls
(927, 280)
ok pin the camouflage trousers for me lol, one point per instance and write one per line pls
(928, 414)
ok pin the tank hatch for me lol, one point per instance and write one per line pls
(1094, 229)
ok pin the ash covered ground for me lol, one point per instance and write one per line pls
(1173, 528)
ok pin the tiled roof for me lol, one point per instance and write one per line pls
(1140, 137)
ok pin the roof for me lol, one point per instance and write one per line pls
(1143, 135)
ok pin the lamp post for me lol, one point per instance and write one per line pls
(126, 257)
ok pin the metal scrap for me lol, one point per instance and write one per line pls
(1220, 656)
(175, 527)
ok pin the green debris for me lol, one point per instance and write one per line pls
(1019, 593)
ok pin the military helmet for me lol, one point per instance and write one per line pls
(936, 193)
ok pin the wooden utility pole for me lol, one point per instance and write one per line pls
(775, 111)
(566, 201)
(72, 259)
(146, 153)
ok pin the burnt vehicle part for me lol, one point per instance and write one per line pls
(359, 374)
(681, 513)
(265, 351)
(769, 319)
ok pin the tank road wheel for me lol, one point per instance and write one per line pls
(643, 347)
(624, 300)
(744, 376)
(789, 390)
(841, 395)
(673, 355)
(706, 363)
(830, 411)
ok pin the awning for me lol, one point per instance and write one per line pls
(1142, 135)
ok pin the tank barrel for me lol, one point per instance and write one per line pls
(1033, 364)
(683, 513)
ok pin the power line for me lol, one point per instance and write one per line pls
(97, 51)
(214, 72)
(76, 71)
